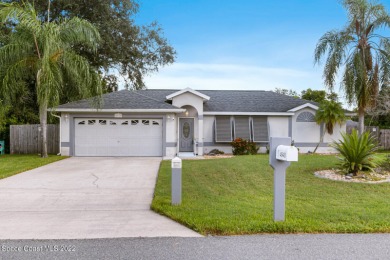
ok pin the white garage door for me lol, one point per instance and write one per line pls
(118, 137)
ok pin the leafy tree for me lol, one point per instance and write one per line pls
(21, 108)
(288, 92)
(41, 52)
(130, 49)
(360, 51)
(328, 115)
(127, 50)
(380, 114)
(318, 95)
(313, 95)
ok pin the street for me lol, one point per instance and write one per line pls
(319, 246)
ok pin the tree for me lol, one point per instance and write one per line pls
(329, 114)
(380, 114)
(127, 50)
(313, 95)
(41, 52)
(318, 95)
(287, 92)
(360, 51)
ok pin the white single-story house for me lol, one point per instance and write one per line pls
(166, 123)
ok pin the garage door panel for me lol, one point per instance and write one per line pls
(118, 137)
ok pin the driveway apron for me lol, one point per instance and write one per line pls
(85, 197)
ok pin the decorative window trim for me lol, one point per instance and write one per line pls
(305, 117)
(103, 122)
(91, 121)
(146, 122)
(134, 122)
(81, 122)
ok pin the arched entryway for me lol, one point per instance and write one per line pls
(187, 130)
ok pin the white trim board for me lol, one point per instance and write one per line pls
(248, 113)
(178, 110)
(196, 93)
(303, 106)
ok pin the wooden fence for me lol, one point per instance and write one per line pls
(382, 135)
(384, 139)
(26, 139)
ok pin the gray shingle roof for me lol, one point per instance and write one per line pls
(220, 101)
(251, 101)
(123, 99)
(239, 100)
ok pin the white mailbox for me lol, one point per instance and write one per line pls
(176, 163)
(287, 153)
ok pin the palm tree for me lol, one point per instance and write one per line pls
(40, 52)
(360, 52)
(329, 114)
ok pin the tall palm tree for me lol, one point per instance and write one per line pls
(41, 52)
(360, 52)
(328, 115)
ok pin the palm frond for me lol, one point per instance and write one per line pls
(78, 31)
(24, 14)
(363, 53)
(330, 113)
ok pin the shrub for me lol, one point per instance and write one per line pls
(357, 152)
(385, 164)
(216, 152)
(241, 147)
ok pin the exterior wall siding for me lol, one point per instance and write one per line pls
(278, 126)
(306, 135)
(208, 129)
(65, 133)
(189, 99)
(171, 129)
(305, 132)
(336, 133)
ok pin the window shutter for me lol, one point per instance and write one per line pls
(260, 129)
(223, 129)
(241, 127)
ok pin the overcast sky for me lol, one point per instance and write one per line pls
(246, 44)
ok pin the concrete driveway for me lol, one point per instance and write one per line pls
(84, 197)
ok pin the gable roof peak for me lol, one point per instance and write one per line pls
(307, 105)
(190, 90)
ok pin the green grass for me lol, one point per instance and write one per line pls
(235, 196)
(14, 164)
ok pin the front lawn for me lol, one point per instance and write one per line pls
(235, 196)
(14, 164)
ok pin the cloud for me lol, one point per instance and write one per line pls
(232, 76)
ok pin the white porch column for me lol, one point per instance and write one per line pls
(200, 135)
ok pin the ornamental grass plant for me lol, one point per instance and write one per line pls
(357, 152)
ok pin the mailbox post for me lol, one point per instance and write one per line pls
(176, 181)
(281, 155)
